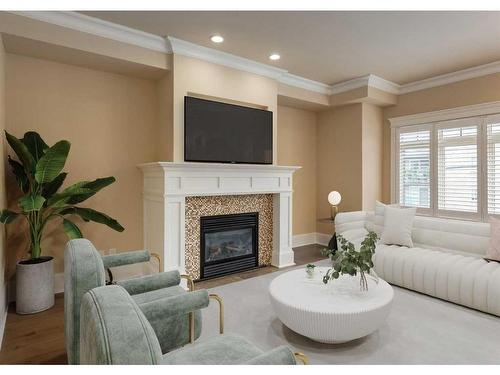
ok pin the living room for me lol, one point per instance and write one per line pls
(245, 187)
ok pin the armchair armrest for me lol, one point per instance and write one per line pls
(180, 304)
(278, 356)
(148, 283)
(123, 259)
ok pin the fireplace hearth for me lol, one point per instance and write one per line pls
(229, 244)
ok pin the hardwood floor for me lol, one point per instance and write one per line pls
(39, 338)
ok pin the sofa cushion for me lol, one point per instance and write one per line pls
(464, 280)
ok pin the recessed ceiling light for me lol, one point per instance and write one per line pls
(274, 56)
(216, 38)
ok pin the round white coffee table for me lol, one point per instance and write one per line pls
(333, 313)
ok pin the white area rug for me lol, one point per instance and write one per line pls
(419, 330)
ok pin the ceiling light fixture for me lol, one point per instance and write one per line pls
(216, 38)
(274, 56)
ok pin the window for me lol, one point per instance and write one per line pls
(457, 165)
(414, 167)
(493, 160)
(448, 168)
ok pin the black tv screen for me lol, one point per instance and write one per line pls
(226, 133)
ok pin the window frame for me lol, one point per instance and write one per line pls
(483, 114)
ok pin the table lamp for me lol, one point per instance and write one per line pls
(334, 199)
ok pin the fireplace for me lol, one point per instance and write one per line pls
(229, 244)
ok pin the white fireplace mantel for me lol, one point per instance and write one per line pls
(166, 186)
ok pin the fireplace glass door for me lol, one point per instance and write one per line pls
(229, 243)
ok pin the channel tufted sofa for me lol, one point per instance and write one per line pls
(446, 261)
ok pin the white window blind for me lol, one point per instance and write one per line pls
(493, 161)
(457, 168)
(414, 168)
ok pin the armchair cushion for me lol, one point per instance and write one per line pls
(169, 316)
(148, 283)
(220, 350)
(114, 331)
(279, 356)
(83, 272)
(123, 259)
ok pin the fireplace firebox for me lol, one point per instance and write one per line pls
(229, 244)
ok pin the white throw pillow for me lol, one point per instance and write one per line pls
(398, 225)
(378, 219)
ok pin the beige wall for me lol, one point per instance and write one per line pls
(297, 146)
(111, 122)
(339, 159)
(3, 288)
(372, 149)
(473, 91)
(165, 136)
(196, 77)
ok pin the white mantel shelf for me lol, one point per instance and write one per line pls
(167, 184)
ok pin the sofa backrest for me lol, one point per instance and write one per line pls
(83, 271)
(114, 331)
(459, 236)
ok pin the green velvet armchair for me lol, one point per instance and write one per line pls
(85, 268)
(116, 331)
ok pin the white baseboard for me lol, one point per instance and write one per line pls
(310, 238)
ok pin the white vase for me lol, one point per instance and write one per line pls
(34, 285)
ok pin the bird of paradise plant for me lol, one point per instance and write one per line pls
(38, 172)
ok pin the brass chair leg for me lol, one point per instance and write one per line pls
(190, 282)
(157, 257)
(221, 311)
(301, 357)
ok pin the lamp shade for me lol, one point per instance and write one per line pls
(334, 198)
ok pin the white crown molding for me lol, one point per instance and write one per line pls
(306, 84)
(383, 84)
(370, 80)
(184, 48)
(96, 26)
(110, 30)
(351, 84)
(444, 79)
(446, 114)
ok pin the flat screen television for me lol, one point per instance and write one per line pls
(226, 133)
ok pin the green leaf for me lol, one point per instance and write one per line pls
(52, 163)
(31, 202)
(71, 230)
(20, 174)
(88, 214)
(94, 187)
(22, 152)
(52, 187)
(35, 145)
(7, 216)
(60, 199)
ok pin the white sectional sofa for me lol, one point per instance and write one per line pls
(446, 261)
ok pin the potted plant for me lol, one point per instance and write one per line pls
(310, 270)
(348, 260)
(40, 178)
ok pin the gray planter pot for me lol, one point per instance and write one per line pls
(34, 285)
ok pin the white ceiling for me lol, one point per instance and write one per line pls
(332, 47)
